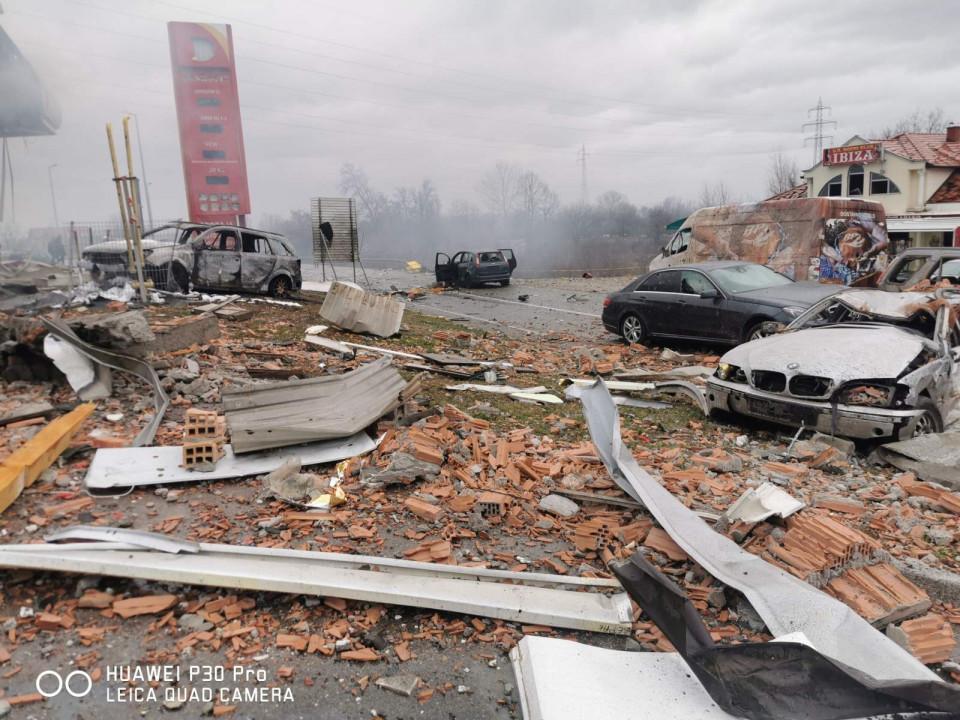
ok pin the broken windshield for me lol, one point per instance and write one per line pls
(743, 278)
(835, 311)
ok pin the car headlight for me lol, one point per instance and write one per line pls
(794, 311)
(733, 373)
(871, 394)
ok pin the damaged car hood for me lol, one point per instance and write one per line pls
(120, 246)
(800, 293)
(841, 353)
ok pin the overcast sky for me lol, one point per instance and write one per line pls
(664, 95)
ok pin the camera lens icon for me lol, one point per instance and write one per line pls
(50, 683)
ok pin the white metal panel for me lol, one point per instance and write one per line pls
(565, 680)
(127, 467)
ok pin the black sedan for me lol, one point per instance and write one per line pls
(725, 302)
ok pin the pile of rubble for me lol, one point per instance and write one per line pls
(277, 453)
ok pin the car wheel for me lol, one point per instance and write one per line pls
(504, 283)
(930, 422)
(755, 331)
(632, 329)
(280, 286)
(177, 280)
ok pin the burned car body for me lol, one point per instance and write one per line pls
(862, 364)
(108, 259)
(469, 269)
(235, 259)
(917, 265)
(210, 257)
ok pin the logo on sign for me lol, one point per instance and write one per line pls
(851, 155)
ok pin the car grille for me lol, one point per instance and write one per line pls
(769, 381)
(809, 386)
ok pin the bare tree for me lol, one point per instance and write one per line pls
(782, 175)
(427, 201)
(536, 199)
(498, 189)
(931, 121)
(715, 195)
(619, 215)
(354, 183)
(465, 209)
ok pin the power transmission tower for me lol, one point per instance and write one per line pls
(818, 124)
(582, 159)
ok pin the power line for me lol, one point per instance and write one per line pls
(651, 107)
(251, 58)
(818, 124)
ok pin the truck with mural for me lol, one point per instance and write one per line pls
(834, 240)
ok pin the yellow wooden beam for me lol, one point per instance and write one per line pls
(23, 467)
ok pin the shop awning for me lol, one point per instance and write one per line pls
(937, 223)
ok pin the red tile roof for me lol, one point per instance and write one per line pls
(949, 192)
(798, 191)
(931, 148)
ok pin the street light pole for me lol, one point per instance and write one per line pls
(53, 195)
(143, 168)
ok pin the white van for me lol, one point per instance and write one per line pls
(834, 240)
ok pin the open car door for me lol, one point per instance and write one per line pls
(443, 268)
(510, 257)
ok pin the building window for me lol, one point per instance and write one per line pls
(855, 180)
(882, 185)
(214, 155)
(218, 180)
(833, 188)
(211, 128)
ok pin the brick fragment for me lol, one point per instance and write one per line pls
(423, 509)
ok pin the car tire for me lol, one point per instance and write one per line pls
(504, 283)
(632, 329)
(754, 331)
(281, 287)
(177, 280)
(930, 423)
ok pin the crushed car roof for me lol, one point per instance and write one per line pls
(886, 304)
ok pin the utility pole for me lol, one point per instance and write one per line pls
(53, 195)
(818, 124)
(582, 159)
(143, 169)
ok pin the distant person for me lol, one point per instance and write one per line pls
(56, 250)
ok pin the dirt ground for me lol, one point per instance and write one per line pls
(461, 662)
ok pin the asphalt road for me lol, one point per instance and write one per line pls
(554, 305)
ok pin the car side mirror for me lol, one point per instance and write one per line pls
(709, 294)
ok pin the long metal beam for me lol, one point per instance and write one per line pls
(278, 573)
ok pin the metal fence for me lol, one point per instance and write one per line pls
(343, 244)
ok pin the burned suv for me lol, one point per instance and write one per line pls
(863, 364)
(208, 257)
(108, 259)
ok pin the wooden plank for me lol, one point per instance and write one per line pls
(24, 466)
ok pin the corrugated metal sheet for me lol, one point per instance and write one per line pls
(300, 411)
(354, 309)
